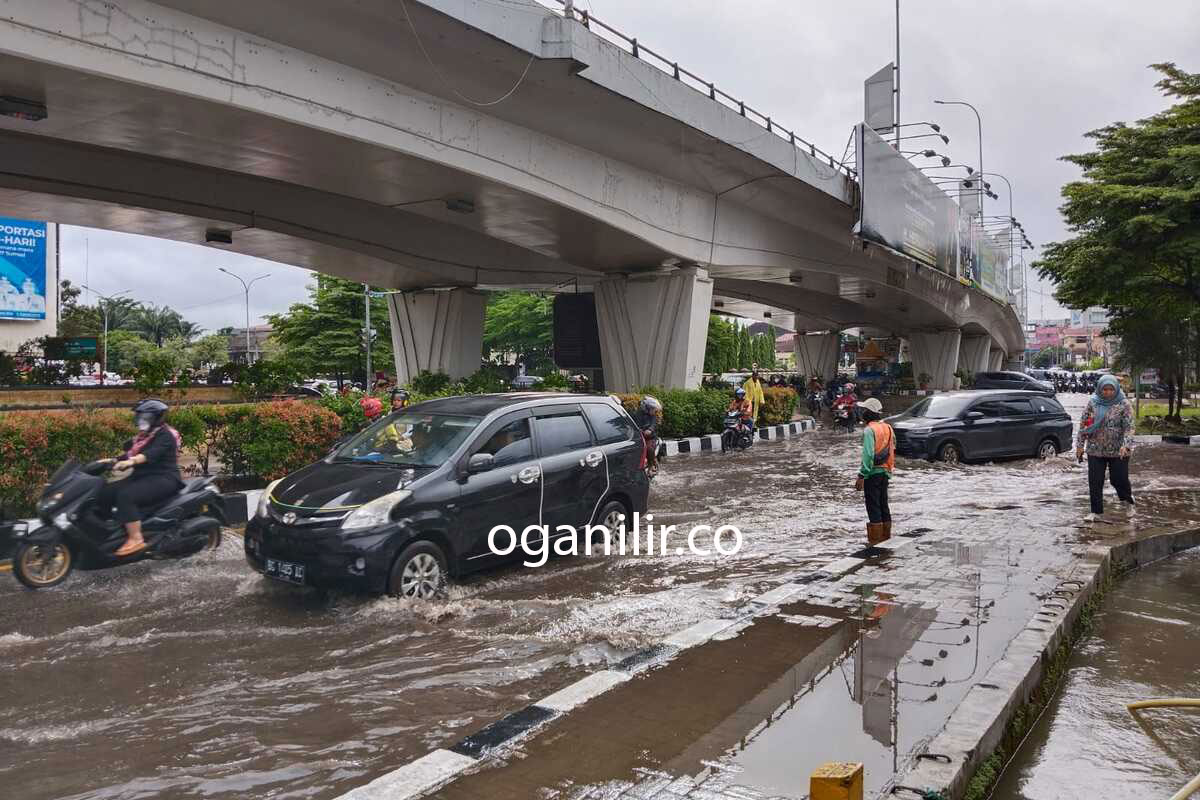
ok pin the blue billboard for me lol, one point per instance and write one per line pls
(22, 269)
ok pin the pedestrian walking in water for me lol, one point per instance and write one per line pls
(1106, 436)
(878, 461)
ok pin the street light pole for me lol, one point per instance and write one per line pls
(979, 122)
(246, 289)
(367, 385)
(1010, 224)
(106, 308)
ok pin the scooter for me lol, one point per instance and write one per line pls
(73, 534)
(814, 404)
(844, 417)
(736, 435)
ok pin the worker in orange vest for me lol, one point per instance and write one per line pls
(878, 461)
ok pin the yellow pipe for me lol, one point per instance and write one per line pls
(1187, 791)
(1165, 702)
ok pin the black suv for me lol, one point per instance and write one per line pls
(982, 425)
(1012, 380)
(412, 498)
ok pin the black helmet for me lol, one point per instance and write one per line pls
(402, 395)
(152, 411)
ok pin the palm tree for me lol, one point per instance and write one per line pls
(156, 323)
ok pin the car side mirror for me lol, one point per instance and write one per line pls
(340, 441)
(973, 415)
(480, 462)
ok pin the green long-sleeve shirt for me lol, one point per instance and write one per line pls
(868, 467)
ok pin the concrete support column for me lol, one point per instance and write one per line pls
(974, 353)
(440, 330)
(817, 354)
(653, 329)
(936, 354)
(995, 360)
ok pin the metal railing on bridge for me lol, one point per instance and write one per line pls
(693, 81)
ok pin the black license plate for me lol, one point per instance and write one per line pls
(284, 570)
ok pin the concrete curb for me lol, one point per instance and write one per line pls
(712, 442)
(436, 769)
(978, 725)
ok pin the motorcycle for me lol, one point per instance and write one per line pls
(650, 452)
(736, 435)
(814, 404)
(844, 417)
(73, 534)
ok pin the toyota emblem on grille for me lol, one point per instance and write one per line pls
(289, 518)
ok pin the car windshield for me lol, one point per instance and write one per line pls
(409, 439)
(941, 407)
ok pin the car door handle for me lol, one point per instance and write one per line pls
(527, 475)
(591, 459)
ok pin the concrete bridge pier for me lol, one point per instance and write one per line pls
(935, 353)
(817, 354)
(995, 360)
(974, 353)
(440, 330)
(653, 328)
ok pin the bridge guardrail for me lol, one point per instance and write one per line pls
(695, 82)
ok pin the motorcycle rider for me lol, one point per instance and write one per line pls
(151, 464)
(815, 390)
(741, 404)
(646, 417)
(847, 399)
(878, 461)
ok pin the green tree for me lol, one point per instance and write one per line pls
(325, 335)
(159, 323)
(126, 350)
(720, 351)
(520, 325)
(209, 351)
(1135, 224)
(1050, 356)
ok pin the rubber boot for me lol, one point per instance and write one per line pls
(887, 530)
(874, 533)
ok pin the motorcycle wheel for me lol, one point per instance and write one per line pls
(726, 442)
(214, 540)
(40, 566)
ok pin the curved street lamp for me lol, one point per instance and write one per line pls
(246, 287)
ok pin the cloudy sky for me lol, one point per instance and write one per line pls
(1041, 74)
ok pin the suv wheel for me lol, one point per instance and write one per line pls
(612, 515)
(419, 572)
(1047, 449)
(949, 453)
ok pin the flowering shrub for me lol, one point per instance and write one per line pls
(281, 437)
(33, 446)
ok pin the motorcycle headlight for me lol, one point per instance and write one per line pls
(376, 512)
(264, 502)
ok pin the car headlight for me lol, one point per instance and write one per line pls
(376, 512)
(919, 431)
(264, 502)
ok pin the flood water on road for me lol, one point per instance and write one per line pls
(200, 678)
(1145, 645)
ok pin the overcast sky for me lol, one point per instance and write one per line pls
(1041, 74)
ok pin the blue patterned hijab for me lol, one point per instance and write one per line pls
(1101, 405)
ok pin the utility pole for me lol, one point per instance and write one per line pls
(106, 308)
(898, 75)
(367, 384)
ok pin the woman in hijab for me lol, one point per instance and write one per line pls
(1106, 433)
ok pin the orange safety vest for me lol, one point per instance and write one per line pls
(885, 439)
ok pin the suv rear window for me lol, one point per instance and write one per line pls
(1048, 405)
(609, 424)
(562, 433)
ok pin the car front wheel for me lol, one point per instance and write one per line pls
(1047, 449)
(419, 572)
(949, 453)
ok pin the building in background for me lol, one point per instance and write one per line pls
(259, 334)
(1090, 317)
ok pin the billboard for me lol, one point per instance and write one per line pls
(22, 269)
(576, 332)
(903, 209)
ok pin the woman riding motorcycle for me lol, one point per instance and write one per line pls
(151, 463)
(741, 403)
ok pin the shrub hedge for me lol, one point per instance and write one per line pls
(267, 440)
